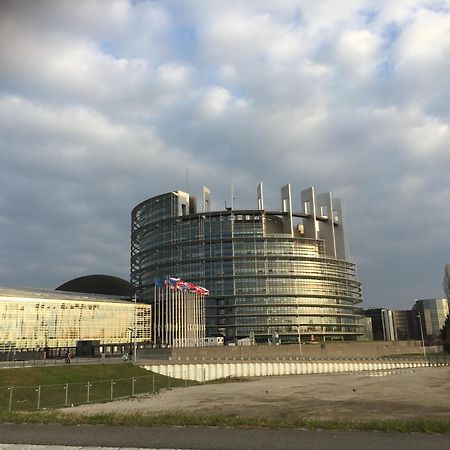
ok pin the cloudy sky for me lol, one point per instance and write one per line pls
(107, 103)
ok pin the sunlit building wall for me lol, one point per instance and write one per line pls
(282, 272)
(33, 320)
(433, 312)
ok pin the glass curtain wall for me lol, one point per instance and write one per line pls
(262, 281)
(38, 323)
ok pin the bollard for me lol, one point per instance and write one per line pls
(66, 387)
(38, 390)
(112, 389)
(88, 391)
(10, 397)
(133, 380)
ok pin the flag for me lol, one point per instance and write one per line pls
(172, 283)
(183, 285)
(198, 289)
(177, 284)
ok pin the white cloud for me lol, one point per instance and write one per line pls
(359, 52)
(424, 41)
(172, 75)
(216, 100)
(111, 102)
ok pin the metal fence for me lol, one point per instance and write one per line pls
(28, 398)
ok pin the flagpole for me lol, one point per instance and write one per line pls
(203, 318)
(154, 316)
(166, 300)
(160, 318)
(195, 324)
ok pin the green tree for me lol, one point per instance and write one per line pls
(445, 334)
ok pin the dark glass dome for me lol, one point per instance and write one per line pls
(98, 284)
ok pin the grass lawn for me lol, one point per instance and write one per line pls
(438, 425)
(51, 387)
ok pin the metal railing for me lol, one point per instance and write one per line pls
(16, 363)
(29, 398)
(431, 358)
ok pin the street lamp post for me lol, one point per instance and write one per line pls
(299, 335)
(131, 340)
(45, 342)
(421, 333)
(135, 329)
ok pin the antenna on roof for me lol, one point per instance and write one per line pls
(232, 197)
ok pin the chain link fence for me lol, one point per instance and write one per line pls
(29, 398)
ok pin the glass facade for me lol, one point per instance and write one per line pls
(433, 312)
(264, 278)
(31, 320)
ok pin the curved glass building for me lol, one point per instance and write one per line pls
(272, 275)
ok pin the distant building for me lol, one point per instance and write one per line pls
(368, 331)
(433, 312)
(285, 271)
(214, 341)
(244, 342)
(383, 327)
(406, 325)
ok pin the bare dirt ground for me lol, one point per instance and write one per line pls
(404, 393)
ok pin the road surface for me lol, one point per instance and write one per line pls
(212, 438)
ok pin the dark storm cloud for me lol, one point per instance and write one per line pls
(108, 103)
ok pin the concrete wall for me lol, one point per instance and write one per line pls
(353, 349)
(211, 371)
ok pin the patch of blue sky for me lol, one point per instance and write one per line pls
(185, 40)
(391, 33)
(368, 15)
(107, 49)
(297, 18)
(385, 69)
(237, 92)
